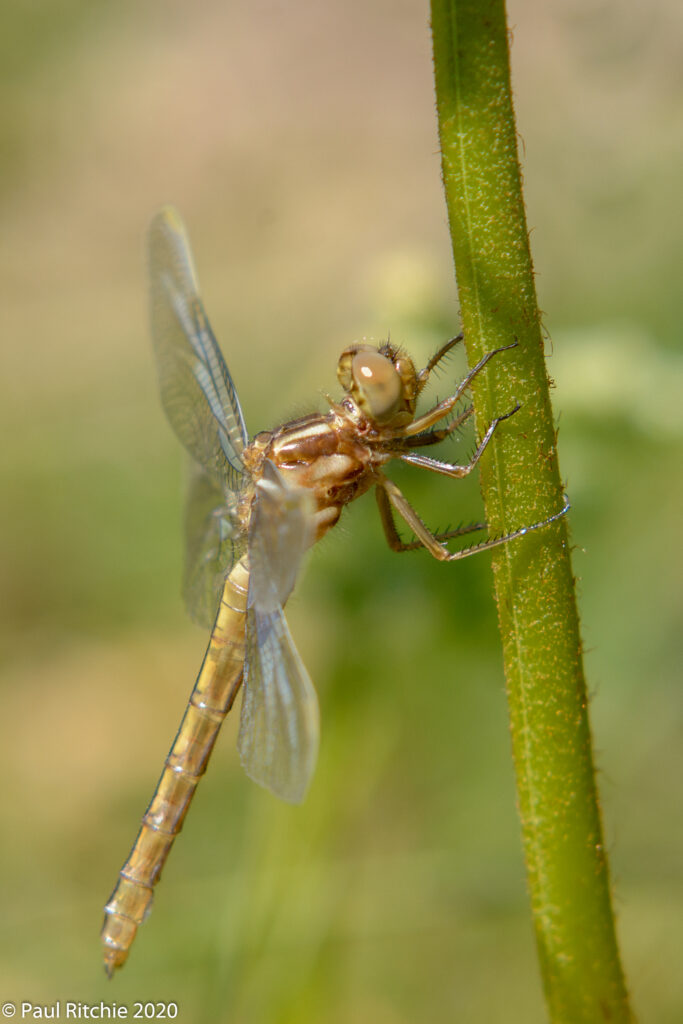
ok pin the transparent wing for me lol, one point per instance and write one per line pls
(197, 391)
(279, 725)
(280, 533)
(212, 546)
(280, 722)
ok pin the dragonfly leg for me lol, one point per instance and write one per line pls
(393, 537)
(423, 375)
(443, 408)
(438, 434)
(390, 499)
(447, 468)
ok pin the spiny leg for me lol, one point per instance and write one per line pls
(389, 498)
(443, 408)
(423, 375)
(440, 433)
(447, 468)
(393, 537)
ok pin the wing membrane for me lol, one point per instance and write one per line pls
(197, 391)
(211, 546)
(281, 532)
(279, 726)
(280, 722)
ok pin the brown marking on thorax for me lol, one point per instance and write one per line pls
(322, 454)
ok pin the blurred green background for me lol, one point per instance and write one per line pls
(299, 142)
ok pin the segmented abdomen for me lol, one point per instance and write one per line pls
(212, 697)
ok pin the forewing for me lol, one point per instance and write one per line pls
(197, 391)
(280, 532)
(212, 546)
(279, 725)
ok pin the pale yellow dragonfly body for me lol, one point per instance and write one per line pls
(254, 509)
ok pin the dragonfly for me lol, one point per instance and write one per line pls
(254, 509)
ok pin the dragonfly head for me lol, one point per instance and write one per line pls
(381, 382)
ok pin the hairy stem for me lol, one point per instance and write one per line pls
(562, 833)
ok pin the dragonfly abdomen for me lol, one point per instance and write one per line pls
(212, 697)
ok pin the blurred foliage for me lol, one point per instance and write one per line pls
(300, 145)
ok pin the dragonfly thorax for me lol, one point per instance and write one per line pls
(380, 382)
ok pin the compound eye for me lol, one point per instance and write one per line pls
(379, 386)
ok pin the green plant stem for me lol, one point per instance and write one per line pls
(562, 833)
